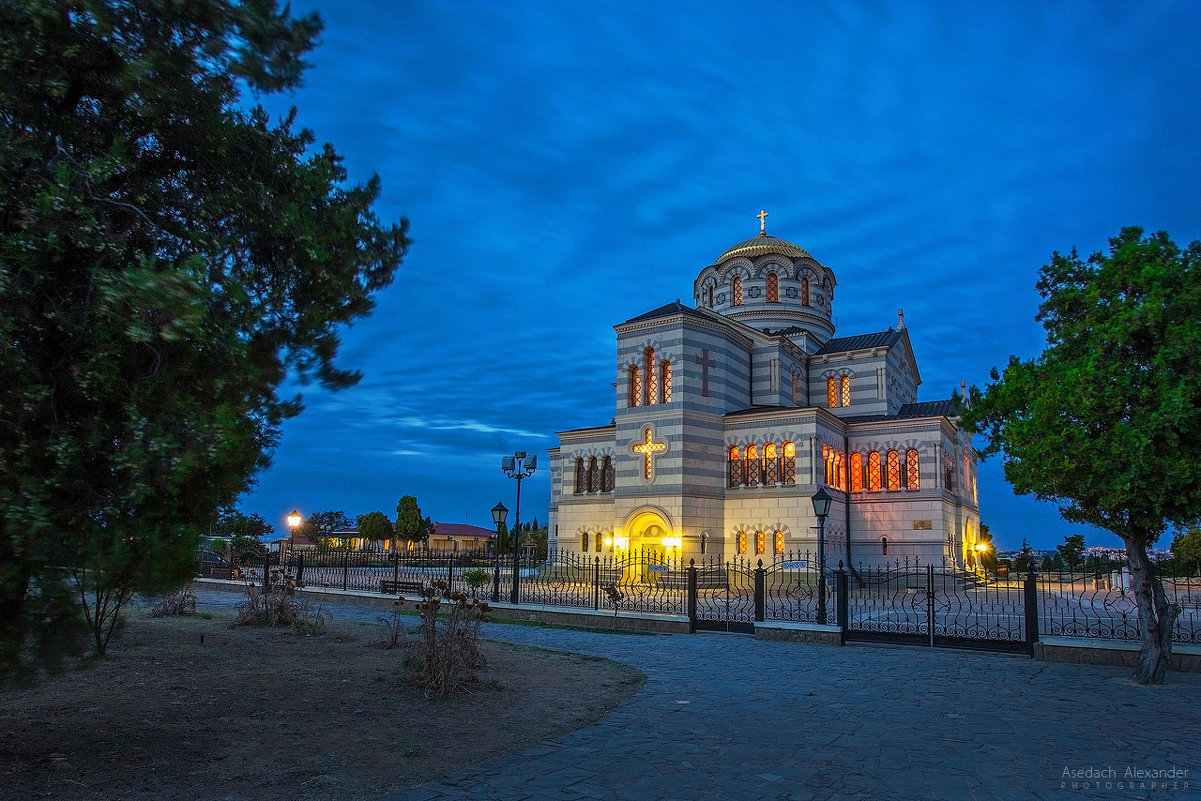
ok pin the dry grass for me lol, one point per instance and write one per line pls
(194, 708)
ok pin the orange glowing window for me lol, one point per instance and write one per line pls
(856, 472)
(788, 474)
(779, 543)
(912, 469)
(805, 291)
(846, 390)
(742, 542)
(737, 290)
(652, 381)
(666, 381)
(894, 470)
(773, 288)
(635, 386)
(873, 471)
(760, 542)
(831, 392)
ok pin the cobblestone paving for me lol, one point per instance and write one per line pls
(725, 716)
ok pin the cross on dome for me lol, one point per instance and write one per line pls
(762, 215)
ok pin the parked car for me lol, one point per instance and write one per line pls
(207, 562)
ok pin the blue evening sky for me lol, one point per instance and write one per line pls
(566, 166)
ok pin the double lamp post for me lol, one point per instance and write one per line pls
(517, 466)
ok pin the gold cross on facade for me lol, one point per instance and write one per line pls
(762, 215)
(648, 449)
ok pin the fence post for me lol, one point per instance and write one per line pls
(395, 569)
(345, 569)
(841, 603)
(759, 593)
(450, 572)
(299, 568)
(267, 572)
(596, 584)
(1030, 603)
(691, 603)
(930, 601)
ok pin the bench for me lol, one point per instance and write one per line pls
(390, 587)
(226, 573)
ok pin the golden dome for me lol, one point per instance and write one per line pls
(762, 245)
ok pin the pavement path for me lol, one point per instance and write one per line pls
(726, 716)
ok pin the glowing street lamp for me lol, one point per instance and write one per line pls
(294, 521)
(499, 513)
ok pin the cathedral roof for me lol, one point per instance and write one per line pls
(762, 245)
(860, 342)
(665, 311)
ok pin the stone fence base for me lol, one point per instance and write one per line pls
(1084, 651)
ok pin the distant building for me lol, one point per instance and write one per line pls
(732, 411)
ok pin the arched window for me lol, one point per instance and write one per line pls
(599, 542)
(846, 390)
(635, 386)
(735, 467)
(771, 465)
(779, 543)
(665, 382)
(805, 291)
(738, 290)
(593, 475)
(742, 542)
(789, 472)
(912, 469)
(710, 297)
(831, 392)
(652, 381)
(894, 470)
(773, 288)
(948, 470)
(752, 465)
(760, 542)
(856, 472)
(607, 475)
(584, 542)
(884, 546)
(873, 471)
(581, 484)
(796, 387)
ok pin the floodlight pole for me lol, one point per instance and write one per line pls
(517, 466)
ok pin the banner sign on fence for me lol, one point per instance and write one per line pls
(659, 568)
(795, 564)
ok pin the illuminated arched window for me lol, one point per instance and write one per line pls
(635, 386)
(665, 382)
(580, 481)
(912, 469)
(873, 471)
(894, 470)
(735, 467)
(789, 472)
(742, 542)
(760, 542)
(593, 475)
(773, 288)
(738, 290)
(752, 465)
(856, 472)
(779, 543)
(652, 381)
(831, 392)
(771, 464)
(584, 542)
(805, 291)
(607, 475)
(846, 390)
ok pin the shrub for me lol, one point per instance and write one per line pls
(448, 653)
(393, 625)
(267, 609)
(475, 578)
(179, 602)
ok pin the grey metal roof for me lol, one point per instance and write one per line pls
(860, 342)
(676, 307)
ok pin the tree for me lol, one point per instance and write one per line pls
(1072, 550)
(410, 525)
(1104, 422)
(375, 526)
(320, 526)
(242, 533)
(1024, 561)
(1186, 549)
(169, 256)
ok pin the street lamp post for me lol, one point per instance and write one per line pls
(517, 466)
(499, 513)
(821, 508)
(294, 521)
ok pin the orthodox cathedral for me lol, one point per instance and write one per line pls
(733, 411)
